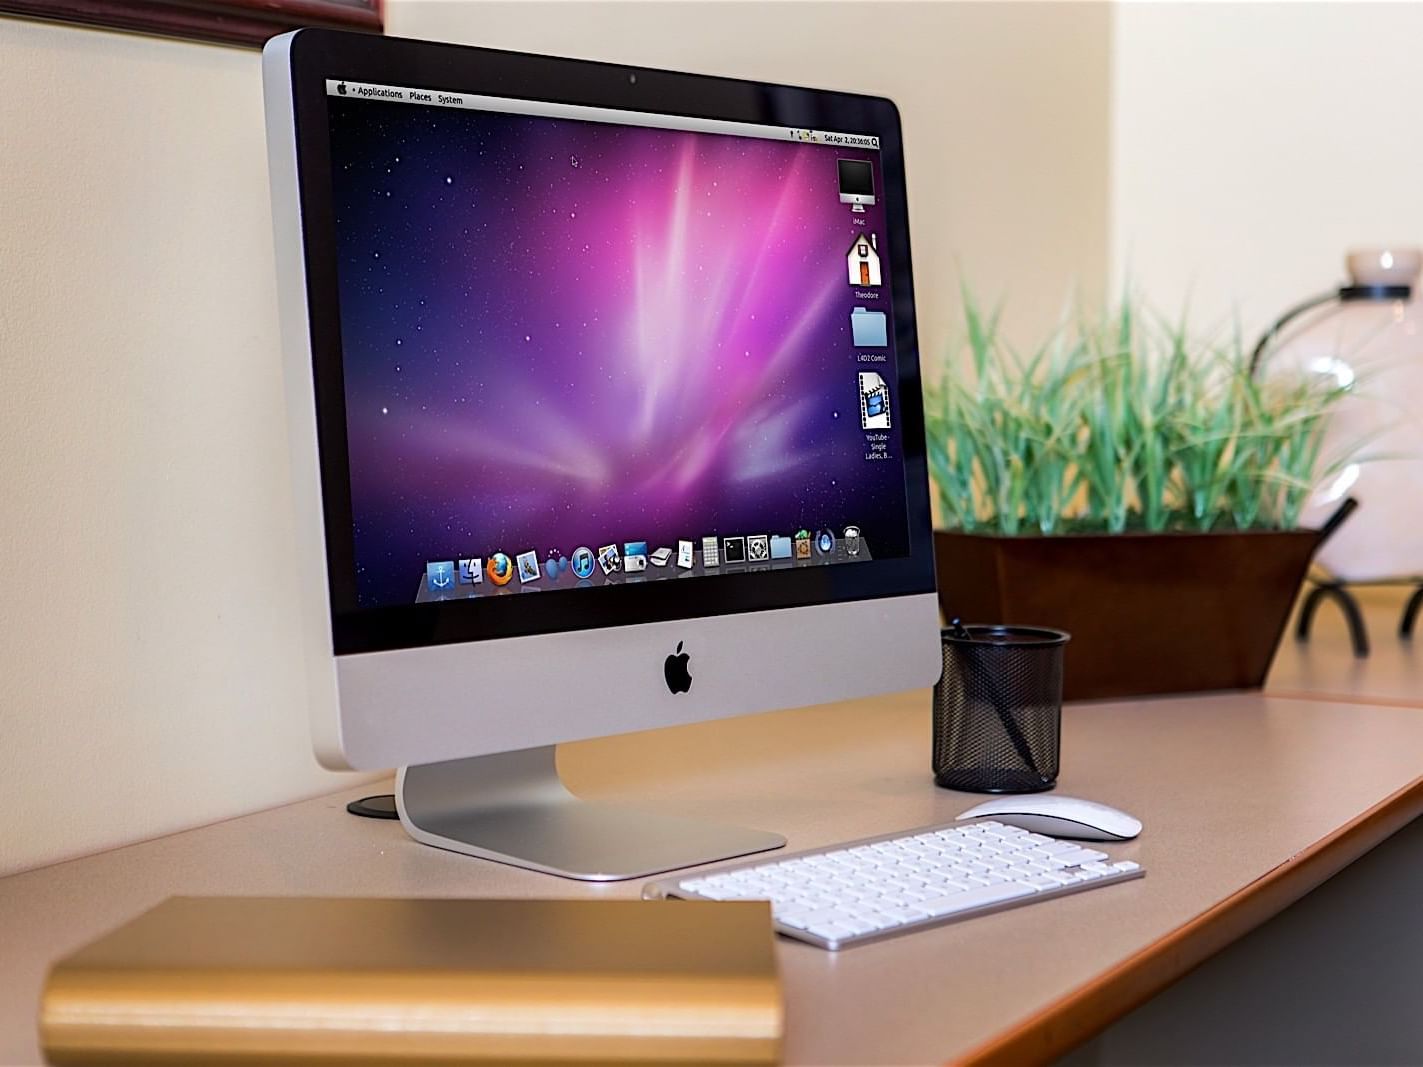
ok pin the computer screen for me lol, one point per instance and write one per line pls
(584, 347)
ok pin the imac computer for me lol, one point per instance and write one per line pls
(857, 184)
(604, 416)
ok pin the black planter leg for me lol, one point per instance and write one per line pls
(1410, 613)
(1307, 610)
(1358, 633)
(1348, 606)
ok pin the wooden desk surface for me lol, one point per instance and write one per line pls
(1325, 665)
(1248, 802)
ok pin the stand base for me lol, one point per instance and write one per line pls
(513, 808)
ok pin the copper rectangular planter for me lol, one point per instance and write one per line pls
(1149, 613)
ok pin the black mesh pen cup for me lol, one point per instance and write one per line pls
(998, 709)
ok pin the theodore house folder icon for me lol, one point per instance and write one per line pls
(868, 328)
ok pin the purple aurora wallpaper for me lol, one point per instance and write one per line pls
(561, 333)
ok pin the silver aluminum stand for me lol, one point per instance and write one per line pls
(513, 808)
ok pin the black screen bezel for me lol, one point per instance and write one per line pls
(318, 55)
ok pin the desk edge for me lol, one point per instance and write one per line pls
(1086, 1011)
(1346, 698)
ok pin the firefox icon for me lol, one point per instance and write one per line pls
(500, 568)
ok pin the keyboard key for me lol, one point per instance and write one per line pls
(973, 898)
(907, 914)
(1127, 865)
(854, 922)
(1080, 856)
(717, 893)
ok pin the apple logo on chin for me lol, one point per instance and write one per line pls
(679, 679)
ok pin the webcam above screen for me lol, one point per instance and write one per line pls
(605, 409)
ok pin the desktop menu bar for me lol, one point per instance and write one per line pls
(395, 94)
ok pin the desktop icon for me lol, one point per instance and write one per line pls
(758, 548)
(635, 557)
(583, 561)
(802, 544)
(733, 549)
(852, 540)
(780, 547)
(500, 569)
(439, 577)
(684, 554)
(711, 552)
(471, 571)
(528, 566)
(868, 329)
(863, 260)
(555, 564)
(660, 557)
(857, 183)
(609, 559)
(874, 402)
(825, 542)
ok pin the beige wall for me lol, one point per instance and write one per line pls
(1253, 143)
(150, 671)
(151, 675)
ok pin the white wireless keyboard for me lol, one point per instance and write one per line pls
(848, 894)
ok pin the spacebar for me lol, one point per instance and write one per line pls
(975, 898)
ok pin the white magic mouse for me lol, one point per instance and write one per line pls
(1059, 816)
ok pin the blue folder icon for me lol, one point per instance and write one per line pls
(868, 328)
(780, 547)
